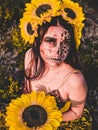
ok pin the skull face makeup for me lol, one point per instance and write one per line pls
(65, 45)
(55, 45)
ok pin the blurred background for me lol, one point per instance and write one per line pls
(12, 51)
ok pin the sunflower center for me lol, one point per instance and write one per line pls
(70, 13)
(34, 116)
(29, 29)
(42, 9)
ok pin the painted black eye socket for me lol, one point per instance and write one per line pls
(66, 41)
(42, 9)
(29, 29)
(50, 40)
(70, 13)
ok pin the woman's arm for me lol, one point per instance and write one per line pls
(77, 91)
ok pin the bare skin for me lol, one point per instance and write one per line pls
(56, 72)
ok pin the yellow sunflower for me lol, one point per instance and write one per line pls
(33, 111)
(42, 10)
(36, 13)
(28, 29)
(73, 13)
(78, 33)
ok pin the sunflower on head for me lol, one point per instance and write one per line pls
(36, 13)
(28, 29)
(41, 11)
(74, 15)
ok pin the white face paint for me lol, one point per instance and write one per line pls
(55, 45)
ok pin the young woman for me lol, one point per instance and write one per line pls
(51, 65)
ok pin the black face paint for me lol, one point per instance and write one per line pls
(64, 45)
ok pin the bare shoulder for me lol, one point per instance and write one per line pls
(28, 57)
(77, 79)
(75, 76)
(28, 53)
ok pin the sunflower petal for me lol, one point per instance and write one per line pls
(66, 107)
(47, 127)
(55, 115)
(33, 97)
(54, 123)
(40, 97)
(50, 101)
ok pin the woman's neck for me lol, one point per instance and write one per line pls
(54, 68)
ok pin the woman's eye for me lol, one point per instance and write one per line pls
(51, 41)
(66, 41)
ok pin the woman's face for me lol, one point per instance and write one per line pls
(55, 45)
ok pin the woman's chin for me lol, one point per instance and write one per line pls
(54, 63)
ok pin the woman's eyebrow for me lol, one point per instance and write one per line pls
(50, 38)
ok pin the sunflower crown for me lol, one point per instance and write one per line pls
(41, 11)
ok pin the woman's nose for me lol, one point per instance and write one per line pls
(59, 51)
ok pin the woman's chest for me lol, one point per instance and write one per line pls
(49, 84)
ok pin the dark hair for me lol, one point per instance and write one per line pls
(71, 58)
